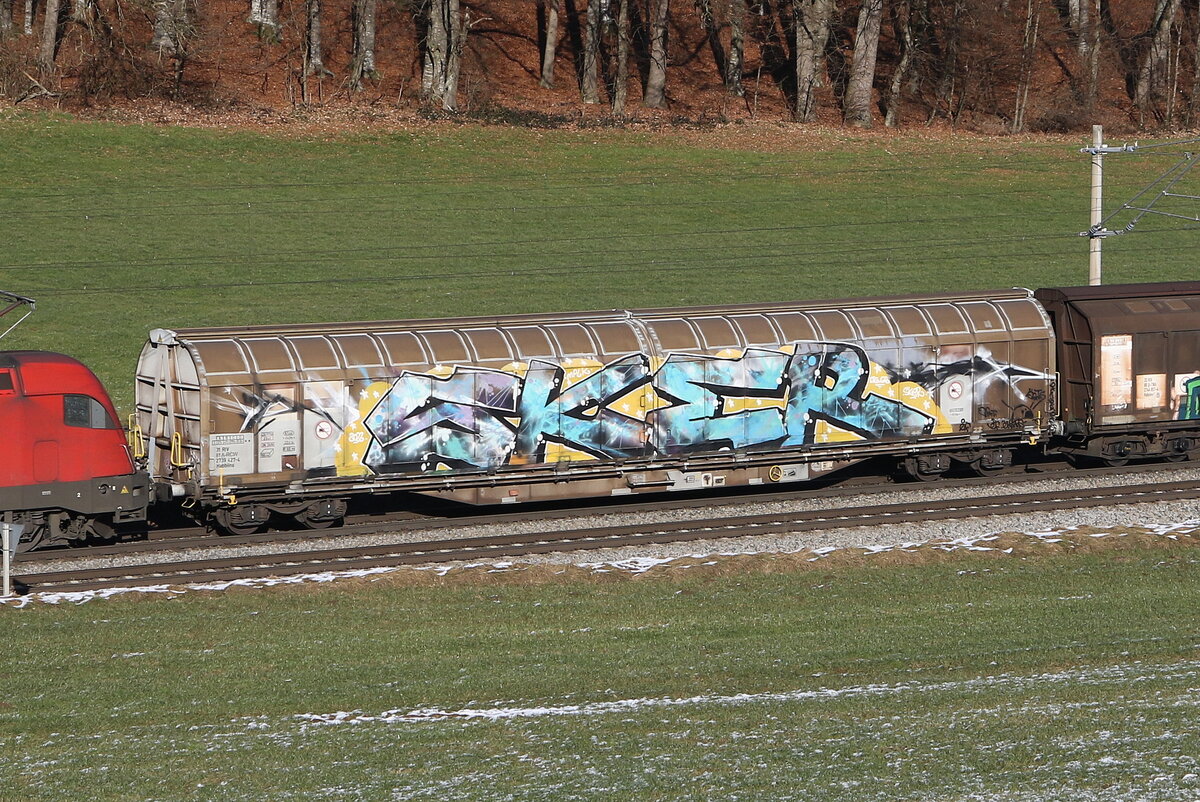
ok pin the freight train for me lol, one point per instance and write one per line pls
(243, 427)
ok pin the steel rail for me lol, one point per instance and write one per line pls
(180, 538)
(475, 548)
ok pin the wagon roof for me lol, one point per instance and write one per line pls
(599, 315)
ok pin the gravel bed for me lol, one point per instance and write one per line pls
(1158, 512)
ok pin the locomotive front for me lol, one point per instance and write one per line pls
(65, 470)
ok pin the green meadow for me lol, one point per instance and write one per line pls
(996, 678)
(1004, 679)
(118, 229)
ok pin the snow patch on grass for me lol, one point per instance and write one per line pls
(1135, 672)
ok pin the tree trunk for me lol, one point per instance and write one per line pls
(589, 87)
(1150, 71)
(433, 72)
(1092, 85)
(621, 89)
(312, 40)
(812, 19)
(362, 63)
(456, 29)
(551, 46)
(28, 27)
(51, 32)
(1028, 45)
(265, 16)
(712, 33)
(948, 81)
(862, 69)
(656, 80)
(443, 54)
(6, 25)
(1194, 104)
(1083, 21)
(170, 27)
(737, 48)
(902, 25)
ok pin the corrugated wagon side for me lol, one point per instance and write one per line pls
(246, 422)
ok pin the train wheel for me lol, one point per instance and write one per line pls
(1177, 451)
(31, 541)
(240, 520)
(990, 463)
(925, 468)
(322, 514)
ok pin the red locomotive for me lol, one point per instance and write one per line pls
(66, 474)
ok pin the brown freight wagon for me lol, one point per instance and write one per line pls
(242, 423)
(1129, 358)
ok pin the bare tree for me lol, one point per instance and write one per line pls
(312, 40)
(712, 32)
(29, 9)
(265, 16)
(170, 27)
(902, 13)
(589, 84)
(362, 60)
(857, 107)
(812, 19)
(656, 79)
(1150, 70)
(458, 25)
(621, 86)
(443, 53)
(51, 36)
(948, 66)
(737, 48)
(1028, 43)
(1194, 104)
(6, 10)
(437, 45)
(1083, 20)
(552, 11)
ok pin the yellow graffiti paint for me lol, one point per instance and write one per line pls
(351, 447)
(556, 452)
(576, 370)
(826, 432)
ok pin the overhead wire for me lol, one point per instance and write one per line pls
(640, 266)
(304, 205)
(674, 177)
(471, 250)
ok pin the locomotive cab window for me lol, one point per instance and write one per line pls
(7, 386)
(85, 412)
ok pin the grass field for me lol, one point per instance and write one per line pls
(117, 229)
(1051, 679)
(1045, 679)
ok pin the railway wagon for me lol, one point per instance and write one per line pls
(1129, 358)
(65, 472)
(243, 423)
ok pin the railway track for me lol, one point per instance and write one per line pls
(504, 546)
(194, 537)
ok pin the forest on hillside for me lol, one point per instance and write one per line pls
(988, 65)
